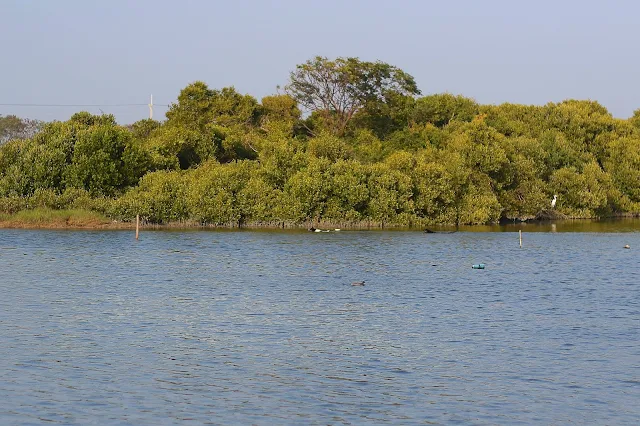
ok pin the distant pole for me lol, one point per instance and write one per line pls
(137, 225)
(151, 109)
(520, 232)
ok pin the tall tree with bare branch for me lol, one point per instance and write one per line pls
(12, 127)
(338, 89)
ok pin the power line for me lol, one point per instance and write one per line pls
(80, 105)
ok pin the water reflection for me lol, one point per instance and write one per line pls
(577, 225)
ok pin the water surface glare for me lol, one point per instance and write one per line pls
(260, 327)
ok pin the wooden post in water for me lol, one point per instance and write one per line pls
(520, 232)
(137, 225)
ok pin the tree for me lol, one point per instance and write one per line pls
(581, 194)
(199, 106)
(259, 201)
(280, 159)
(348, 192)
(339, 89)
(86, 119)
(385, 118)
(623, 165)
(280, 108)
(635, 119)
(143, 129)
(329, 147)
(522, 191)
(306, 192)
(193, 107)
(215, 123)
(179, 147)
(160, 197)
(443, 108)
(391, 193)
(12, 127)
(581, 122)
(434, 194)
(481, 147)
(215, 191)
(105, 160)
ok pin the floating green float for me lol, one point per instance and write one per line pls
(478, 266)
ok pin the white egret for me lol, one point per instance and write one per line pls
(553, 202)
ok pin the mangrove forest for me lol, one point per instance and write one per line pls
(345, 141)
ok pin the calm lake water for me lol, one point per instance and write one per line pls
(263, 327)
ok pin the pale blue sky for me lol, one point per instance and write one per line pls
(120, 51)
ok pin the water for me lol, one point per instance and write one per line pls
(196, 327)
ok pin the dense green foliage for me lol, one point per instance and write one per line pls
(374, 153)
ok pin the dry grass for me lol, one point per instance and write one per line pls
(55, 219)
(45, 218)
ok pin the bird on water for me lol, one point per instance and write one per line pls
(358, 283)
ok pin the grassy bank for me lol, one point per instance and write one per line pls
(47, 218)
(57, 219)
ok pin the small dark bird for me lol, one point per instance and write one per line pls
(358, 283)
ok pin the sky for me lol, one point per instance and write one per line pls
(107, 53)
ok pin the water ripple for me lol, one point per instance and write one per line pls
(265, 327)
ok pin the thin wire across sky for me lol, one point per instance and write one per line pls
(82, 105)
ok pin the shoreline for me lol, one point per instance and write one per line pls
(44, 218)
(280, 226)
